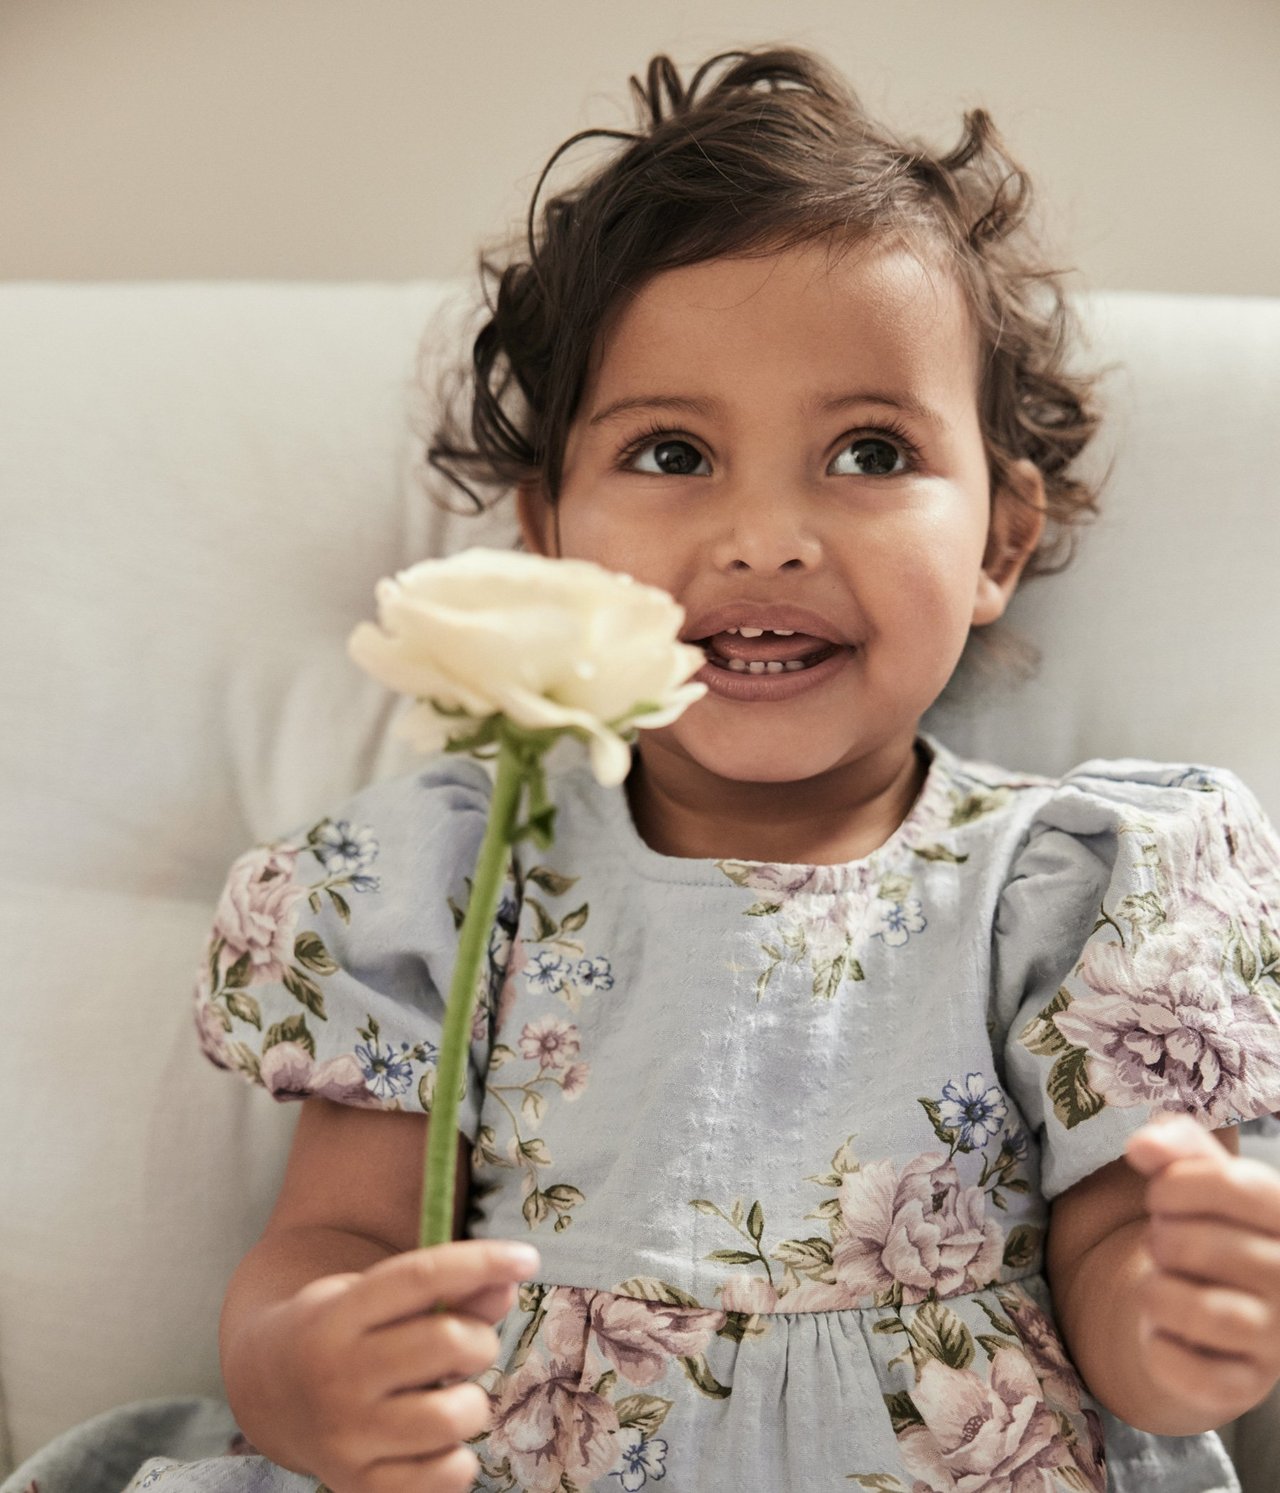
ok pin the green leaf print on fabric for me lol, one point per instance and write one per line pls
(967, 808)
(877, 1482)
(939, 1333)
(939, 853)
(291, 1029)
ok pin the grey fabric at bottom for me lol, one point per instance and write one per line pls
(102, 1455)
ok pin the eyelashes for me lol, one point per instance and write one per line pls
(889, 430)
(652, 435)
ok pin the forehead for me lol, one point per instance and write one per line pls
(871, 314)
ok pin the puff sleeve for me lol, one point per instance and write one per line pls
(332, 949)
(1137, 960)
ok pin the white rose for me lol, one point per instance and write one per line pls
(550, 644)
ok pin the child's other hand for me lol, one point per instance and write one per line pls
(1211, 1304)
(374, 1365)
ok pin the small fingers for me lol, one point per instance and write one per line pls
(425, 1422)
(422, 1279)
(436, 1348)
(1205, 1249)
(1223, 1384)
(454, 1471)
(1168, 1138)
(1218, 1319)
(406, 1431)
(490, 1304)
(1235, 1188)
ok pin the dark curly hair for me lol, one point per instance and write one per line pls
(765, 150)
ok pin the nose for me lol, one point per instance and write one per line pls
(763, 531)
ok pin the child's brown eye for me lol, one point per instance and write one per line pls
(670, 458)
(869, 456)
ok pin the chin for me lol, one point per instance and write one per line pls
(740, 757)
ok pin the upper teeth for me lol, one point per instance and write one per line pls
(756, 632)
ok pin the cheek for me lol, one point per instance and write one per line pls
(926, 576)
(599, 531)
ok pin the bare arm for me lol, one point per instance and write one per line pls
(337, 1305)
(1103, 1276)
(350, 1197)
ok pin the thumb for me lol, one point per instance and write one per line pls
(1166, 1138)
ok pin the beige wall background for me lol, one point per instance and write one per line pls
(383, 139)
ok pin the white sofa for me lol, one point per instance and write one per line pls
(199, 486)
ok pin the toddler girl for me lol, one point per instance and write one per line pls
(816, 1064)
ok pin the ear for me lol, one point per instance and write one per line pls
(1017, 522)
(538, 526)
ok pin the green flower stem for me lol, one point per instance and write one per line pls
(440, 1166)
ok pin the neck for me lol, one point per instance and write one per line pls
(681, 809)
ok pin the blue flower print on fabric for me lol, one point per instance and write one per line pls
(641, 1460)
(897, 921)
(973, 1111)
(593, 975)
(547, 972)
(342, 847)
(389, 1074)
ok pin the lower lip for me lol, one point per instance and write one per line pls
(732, 685)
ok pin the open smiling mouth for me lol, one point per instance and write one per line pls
(756, 650)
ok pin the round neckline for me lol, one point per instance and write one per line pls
(929, 813)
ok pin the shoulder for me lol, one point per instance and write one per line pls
(441, 804)
(1102, 794)
(1137, 957)
(1168, 826)
(1164, 855)
(354, 867)
(443, 786)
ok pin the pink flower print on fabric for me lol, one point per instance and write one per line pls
(548, 1427)
(1225, 859)
(921, 1231)
(1055, 1371)
(575, 1080)
(507, 994)
(754, 1295)
(552, 1042)
(814, 904)
(258, 913)
(211, 1030)
(638, 1338)
(830, 924)
(289, 1071)
(979, 1437)
(1161, 1026)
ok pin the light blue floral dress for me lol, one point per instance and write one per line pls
(784, 1135)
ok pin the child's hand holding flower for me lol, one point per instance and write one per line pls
(1211, 1305)
(505, 653)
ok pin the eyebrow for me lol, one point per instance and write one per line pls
(685, 404)
(904, 402)
(679, 404)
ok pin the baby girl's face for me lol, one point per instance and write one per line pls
(791, 444)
